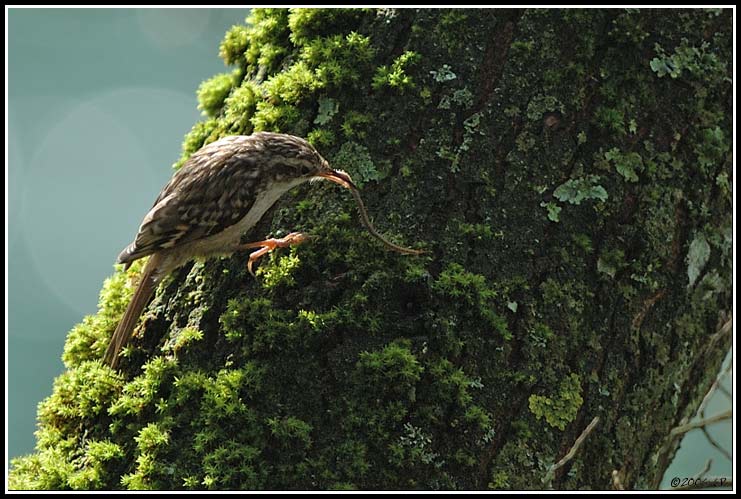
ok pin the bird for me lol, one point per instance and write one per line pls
(220, 193)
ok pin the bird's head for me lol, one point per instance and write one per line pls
(295, 159)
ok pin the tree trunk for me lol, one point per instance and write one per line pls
(568, 173)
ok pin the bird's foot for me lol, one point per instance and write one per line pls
(269, 245)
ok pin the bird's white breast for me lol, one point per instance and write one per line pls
(226, 241)
(262, 204)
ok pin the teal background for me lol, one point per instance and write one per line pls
(98, 103)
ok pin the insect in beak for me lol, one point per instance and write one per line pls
(342, 178)
(339, 177)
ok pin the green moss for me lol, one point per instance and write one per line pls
(342, 486)
(712, 147)
(561, 408)
(99, 454)
(696, 60)
(279, 271)
(89, 339)
(235, 44)
(611, 261)
(542, 104)
(321, 138)
(395, 76)
(356, 125)
(452, 21)
(458, 283)
(292, 85)
(481, 232)
(186, 337)
(213, 92)
(80, 397)
(240, 107)
(49, 469)
(339, 60)
(143, 389)
(267, 34)
(499, 480)
(290, 431)
(322, 62)
(81, 394)
(272, 118)
(395, 367)
(471, 289)
(152, 437)
(307, 24)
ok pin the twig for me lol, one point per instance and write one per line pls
(712, 389)
(679, 430)
(716, 386)
(569, 455)
(617, 483)
(726, 328)
(716, 444)
(722, 389)
(572, 452)
(704, 470)
(662, 460)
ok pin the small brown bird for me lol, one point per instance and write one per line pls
(220, 193)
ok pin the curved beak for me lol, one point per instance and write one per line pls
(338, 177)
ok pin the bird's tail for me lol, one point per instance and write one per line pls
(125, 329)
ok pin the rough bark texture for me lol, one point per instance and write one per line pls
(569, 173)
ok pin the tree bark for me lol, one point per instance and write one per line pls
(568, 173)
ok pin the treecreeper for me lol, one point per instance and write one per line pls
(221, 192)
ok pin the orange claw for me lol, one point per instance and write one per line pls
(269, 245)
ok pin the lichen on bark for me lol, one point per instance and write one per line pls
(556, 165)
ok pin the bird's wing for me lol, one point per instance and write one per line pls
(214, 189)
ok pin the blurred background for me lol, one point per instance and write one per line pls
(99, 101)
